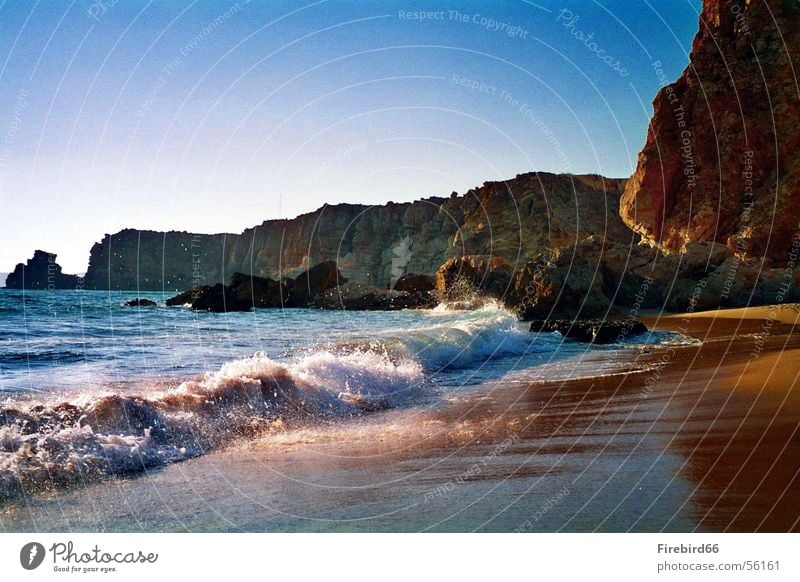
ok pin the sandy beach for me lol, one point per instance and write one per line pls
(738, 404)
(686, 438)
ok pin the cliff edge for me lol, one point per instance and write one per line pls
(721, 161)
(373, 245)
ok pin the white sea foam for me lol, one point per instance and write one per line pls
(488, 333)
(52, 443)
(45, 445)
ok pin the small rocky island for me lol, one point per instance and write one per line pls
(41, 272)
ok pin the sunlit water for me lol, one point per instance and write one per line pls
(94, 388)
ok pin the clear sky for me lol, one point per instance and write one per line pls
(214, 116)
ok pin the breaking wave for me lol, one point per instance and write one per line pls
(47, 444)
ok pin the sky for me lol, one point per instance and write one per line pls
(215, 116)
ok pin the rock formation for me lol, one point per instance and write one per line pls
(140, 303)
(714, 193)
(461, 277)
(373, 245)
(261, 291)
(566, 283)
(244, 292)
(601, 279)
(592, 330)
(412, 282)
(354, 297)
(722, 157)
(316, 280)
(218, 298)
(41, 272)
(157, 261)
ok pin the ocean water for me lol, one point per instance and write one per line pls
(91, 388)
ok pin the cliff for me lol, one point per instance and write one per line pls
(41, 272)
(722, 159)
(373, 245)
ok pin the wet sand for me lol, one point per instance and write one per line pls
(693, 438)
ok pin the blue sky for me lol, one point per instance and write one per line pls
(214, 116)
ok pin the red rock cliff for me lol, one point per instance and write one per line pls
(722, 157)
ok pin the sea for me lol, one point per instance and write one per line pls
(92, 390)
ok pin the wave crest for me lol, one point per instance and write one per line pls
(49, 444)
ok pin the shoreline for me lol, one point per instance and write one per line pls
(747, 372)
(692, 438)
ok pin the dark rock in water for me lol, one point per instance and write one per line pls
(417, 300)
(242, 294)
(592, 330)
(288, 286)
(200, 298)
(140, 303)
(315, 281)
(41, 272)
(357, 298)
(245, 292)
(260, 291)
(363, 298)
(219, 299)
(411, 283)
(184, 298)
(461, 277)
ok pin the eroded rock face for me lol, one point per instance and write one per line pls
(601, 279)
(373, 245)
(411, 283)
(316, 281)
(461, 277)
(41, 272)
(722, 157)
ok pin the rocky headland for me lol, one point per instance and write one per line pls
(514, 219)
(41, 272)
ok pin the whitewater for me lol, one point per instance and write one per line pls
(91, 388)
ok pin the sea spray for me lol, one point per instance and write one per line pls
(50, 443)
